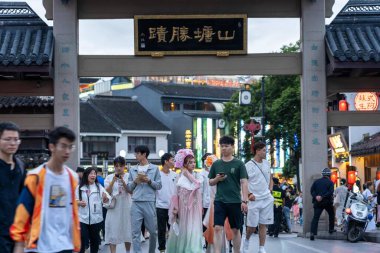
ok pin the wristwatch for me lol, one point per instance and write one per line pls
(245, 202)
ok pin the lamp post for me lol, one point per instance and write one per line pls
(263, 105)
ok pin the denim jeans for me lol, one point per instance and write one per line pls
(286, 212)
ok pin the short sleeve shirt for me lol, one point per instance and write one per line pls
(228, 191)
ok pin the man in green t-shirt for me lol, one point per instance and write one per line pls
(230, 177)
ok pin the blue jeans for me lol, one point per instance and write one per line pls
(286, 212)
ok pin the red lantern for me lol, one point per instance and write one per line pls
(351, 177)
(343, 105)
(378, 175)
(334, 176)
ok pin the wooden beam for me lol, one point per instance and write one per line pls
(352, 84)
(251, 64)
(26, 87)
(30, 121)
(353, 118)
(121, 9)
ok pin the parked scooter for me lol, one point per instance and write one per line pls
(356, 215)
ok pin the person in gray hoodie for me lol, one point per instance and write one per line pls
(143, 182)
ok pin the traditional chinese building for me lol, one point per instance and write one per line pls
(192, 113)
(353, 65)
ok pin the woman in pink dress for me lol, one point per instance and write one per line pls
(186, 208)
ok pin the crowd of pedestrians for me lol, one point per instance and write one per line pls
(54, 209)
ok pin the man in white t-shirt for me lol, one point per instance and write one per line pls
(55, 224)
(163, 198)
(260, 205)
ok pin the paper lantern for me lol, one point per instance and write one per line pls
(343, 105)
(351, 177)
(334, 176)
(378, 175)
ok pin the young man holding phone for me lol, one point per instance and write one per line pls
(144, 180)
(230, 177)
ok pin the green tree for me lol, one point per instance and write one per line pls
(282, 112)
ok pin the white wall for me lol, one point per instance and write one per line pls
(161, 144)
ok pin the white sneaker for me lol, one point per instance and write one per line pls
(262, 249)
(245, 245)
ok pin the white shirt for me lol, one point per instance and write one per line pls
(56, 214)
(164, 195)
(206, 189)
(118, 187)
(258, 178)
(143, 168)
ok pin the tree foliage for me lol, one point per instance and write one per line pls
(282, 112)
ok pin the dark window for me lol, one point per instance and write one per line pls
(150, 142)
(189, 106)
(98, 144)
(170, 106)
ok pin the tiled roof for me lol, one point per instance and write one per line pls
(24, 38)
(366, 147)
(91, 121)
(12, 102)
(126, 114)
(354, 35)
(192, 91)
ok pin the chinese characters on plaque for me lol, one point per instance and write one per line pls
(190, 34)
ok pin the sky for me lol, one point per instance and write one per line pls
(264, 35)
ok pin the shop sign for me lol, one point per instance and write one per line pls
(159, 35)
(188, 138)
(366, 101)
(337, 143)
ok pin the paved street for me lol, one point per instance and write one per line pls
(290, 243)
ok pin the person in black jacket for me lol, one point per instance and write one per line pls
(12, 175)
(322, 192)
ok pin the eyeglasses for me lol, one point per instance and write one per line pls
(62, 146)
(11, 140)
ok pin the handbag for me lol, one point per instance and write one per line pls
(111, 204)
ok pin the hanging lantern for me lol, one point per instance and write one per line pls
(378, 175)
(351, 177)
(334, 176)
(343, 105)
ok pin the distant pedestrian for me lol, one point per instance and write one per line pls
(80, 171)
(230, 177)
(289, 200)
(322, 192)
(279, 200)
(47, 209)
(339, 199)
(299, 201)
(260, 205)
(163, 197)
(118, 220)
(99, 176)
(144, 180)
(206, 189)
(12, 175)
(90, 196)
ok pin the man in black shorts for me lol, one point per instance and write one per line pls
(230, 177)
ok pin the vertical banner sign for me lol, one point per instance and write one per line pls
(191, 34)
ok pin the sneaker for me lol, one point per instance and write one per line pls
(276, 236)
(262, 249)
(245, 246)
(311, 237)
(332, 231)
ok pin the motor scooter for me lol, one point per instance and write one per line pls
(356, 215)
